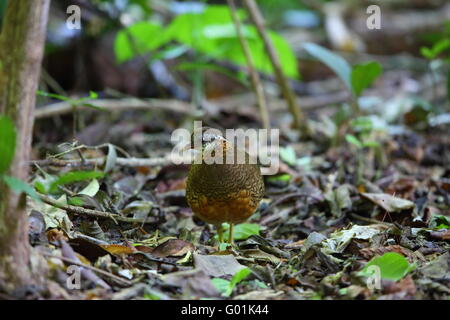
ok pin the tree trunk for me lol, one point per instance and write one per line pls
(21, 50)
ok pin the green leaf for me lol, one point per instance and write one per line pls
(393, 266)
(363, 75)
(152, 296)
(74, 102)
(260, 284)
(226, 287)
(427, 53)
(75, 201)
(212, 32)
(74, 176)
(43, 184)
(52, 95)
(93, 95)
(439, 47)
(285, 177)
(221, 285)
(239, 276)
(362, 124)
(335, 62)
(19, 186)
(439, 222)
(354, 140)
(371, 144)
(139, 39)
(39, 186)
(7, 143)
(242, 231)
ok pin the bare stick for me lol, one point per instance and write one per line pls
(124, 162)
(78, 263)
(254, 76)
(90, 212)
(299, 119)
(63, 107)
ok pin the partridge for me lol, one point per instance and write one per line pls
(223, 192)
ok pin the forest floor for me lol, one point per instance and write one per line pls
(336, 207)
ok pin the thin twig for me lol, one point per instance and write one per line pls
(79, 235)
(254, 76)
(124, 162)
(369, 220)
(63, 107)
(294, 108)
(105, 273)
(90, 212)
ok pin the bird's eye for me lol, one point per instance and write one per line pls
(208, 137)
(211, 134)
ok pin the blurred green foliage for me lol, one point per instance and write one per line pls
(8, 143)
(3, 4)
(7, 150)
(211, 33)
(226, 287)
(356, 78)
(439, 49)
(392, 266)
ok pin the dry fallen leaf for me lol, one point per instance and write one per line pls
(173, 247)
(217, 265)
(388, 202)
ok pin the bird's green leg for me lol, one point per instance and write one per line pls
(230, 239)
(220, 232)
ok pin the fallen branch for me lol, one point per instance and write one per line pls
(63, 107)
(80, 264)
(124, 162)
(90, 212)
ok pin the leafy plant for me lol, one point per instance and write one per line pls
(392, 265)
(359, 144)
(357, 78)
(226, 287)
(211, 33)
(335, 62)
(363, 127)
(436, 49)
(439, 222)
(440, 48)
(242, 231)
(74, 176)
(74, 102)
(138, 39)
(363, 75)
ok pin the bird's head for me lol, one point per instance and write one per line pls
(205, 137)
